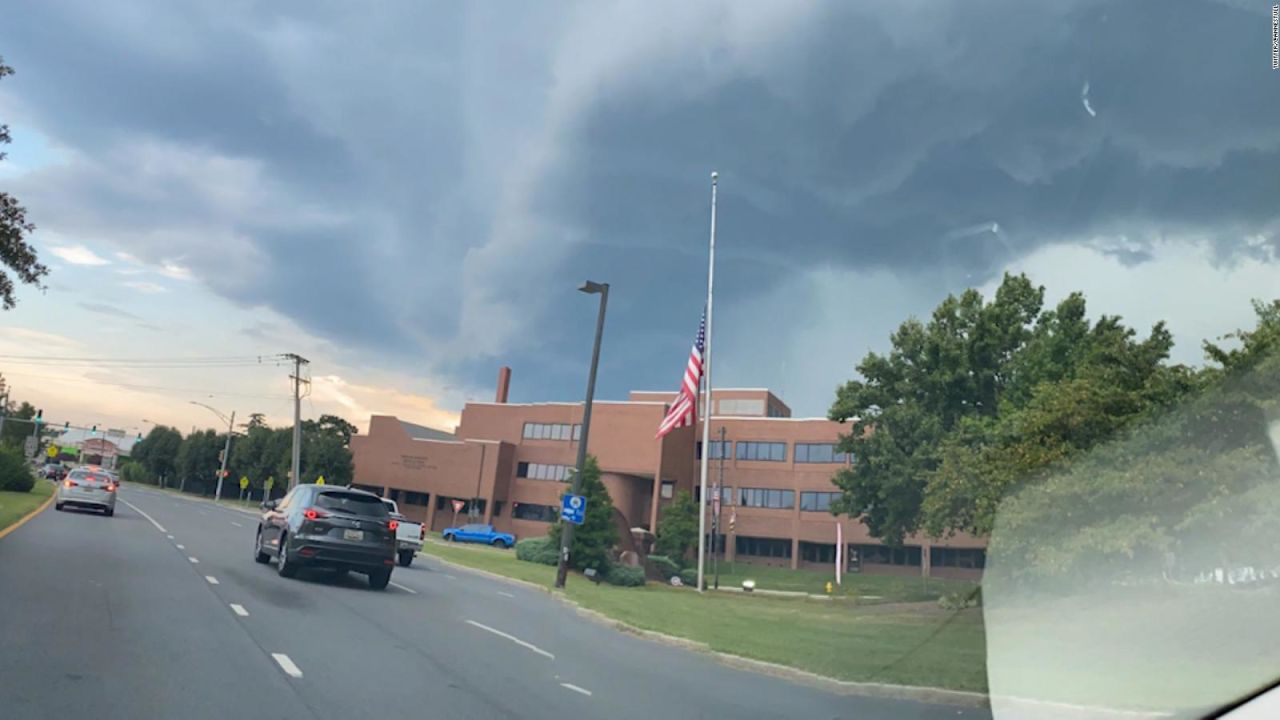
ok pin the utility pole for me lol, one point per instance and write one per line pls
(226, 455)
(296, 465)
(4, 405)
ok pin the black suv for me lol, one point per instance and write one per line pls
(333, 527)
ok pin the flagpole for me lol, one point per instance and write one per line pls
(706, 412)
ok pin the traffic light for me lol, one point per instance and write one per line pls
(66, 425)
(39, 416)
(94, 431)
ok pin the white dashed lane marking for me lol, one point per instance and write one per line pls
(409, 590)
(512, 638)
(212, 580)
(576, 689)
(182, 547)
(193, 560)
(505, 594)
(287, 665)
(236, 524)
(239, 610)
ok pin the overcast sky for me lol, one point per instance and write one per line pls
(409, 193)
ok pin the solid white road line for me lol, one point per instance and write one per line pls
(193, 560)
(505, 594)
(512, 638)
(409, 590)
(181, 547)
(145, 515)
(239, 610)
(576, 689)
(212, 580)
(287, 665)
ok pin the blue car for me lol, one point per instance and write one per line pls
(479, 533)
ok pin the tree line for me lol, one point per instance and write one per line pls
(258, 452)
(1075, 445)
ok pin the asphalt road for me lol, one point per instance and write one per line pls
(160, 612)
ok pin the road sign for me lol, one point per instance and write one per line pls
(458, 505)
(52, 451)
(244, 482)
(573, 508)
(320, 480)
(271, 481)
(30, 446)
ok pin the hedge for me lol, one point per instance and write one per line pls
(15, 473)
(538, 550)
(624, 575)
(689, 576)
(665, 566)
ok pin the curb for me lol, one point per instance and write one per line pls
(936, 696)
(22, 520)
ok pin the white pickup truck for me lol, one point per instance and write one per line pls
(409, 534)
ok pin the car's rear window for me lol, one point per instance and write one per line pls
(87, 475)
(352, 503)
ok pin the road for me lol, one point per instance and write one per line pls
(160, 612)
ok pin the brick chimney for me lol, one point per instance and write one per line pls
(504, 384)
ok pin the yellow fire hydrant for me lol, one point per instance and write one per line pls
(829, 587)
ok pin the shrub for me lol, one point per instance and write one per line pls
(15, 473)
(624, 575)
(538, 550)
(133, 472)
(689, 576)
(961, 599)
(664, 566)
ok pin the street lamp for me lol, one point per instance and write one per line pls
(566, 537)
(226, 449)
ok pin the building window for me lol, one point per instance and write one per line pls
(668, 489)
(394, 494)
(415, 498)
(726, 494)
(774, 451)
(719, 449)
(958, 557)
(885, 555)
(818, 552)
(763, 547)
(753, 407)
(497, 508)
(543, 471)
(372, 488)
(530, 511)
(551, 431)
(817, 501)
(766, 498)
(819, 453)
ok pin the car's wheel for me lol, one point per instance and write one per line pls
(406, 558)
(499, 543)
(109, 511)
(258, 555)
(450, 538)
(378, 579)
(57, 506)
(283, 566)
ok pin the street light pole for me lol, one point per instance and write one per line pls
(566, 536)
(226, 448)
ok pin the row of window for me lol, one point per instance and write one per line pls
(552, 431)
(773, 499)
(863, 554)
(532, 511)
(765, 498)
(543, 471)
(774, 451)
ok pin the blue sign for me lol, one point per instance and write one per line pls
(573, 508)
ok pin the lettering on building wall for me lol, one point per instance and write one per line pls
(415, 462)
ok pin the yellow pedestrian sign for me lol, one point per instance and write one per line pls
(244, 482)
(320, 480)
(271, 481)
(52, 451)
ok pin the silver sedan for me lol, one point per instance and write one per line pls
(89, 488)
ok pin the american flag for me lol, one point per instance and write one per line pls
(684, 411)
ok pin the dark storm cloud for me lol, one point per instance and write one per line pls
(434, 183)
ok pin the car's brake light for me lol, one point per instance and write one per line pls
(393, 524)
(111, 488)
(69, 482)
(422, 532)
(314, 513)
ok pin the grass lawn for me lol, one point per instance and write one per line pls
(909, 644)
(14, 505)
(886, 588)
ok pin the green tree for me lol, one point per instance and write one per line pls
(325, 451)
(15, 433)
(984, 398)
(197, 459)
(678, 528)
(158, 451)
(596, 536)
(15, 252)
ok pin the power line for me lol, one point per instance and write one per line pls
(149, 388)
(148, 362)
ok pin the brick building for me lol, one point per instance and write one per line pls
(508, 462)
